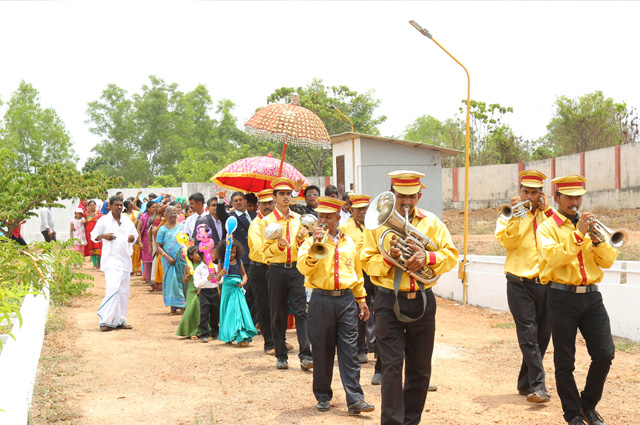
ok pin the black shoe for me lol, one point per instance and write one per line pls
(376, 379)
(538, 397)
(362, 358)
(360, 406)
(282, 364)
(577, 420)
(432, 388)
(322, 406)
(592, 417)
(306, 364)
(204, 339)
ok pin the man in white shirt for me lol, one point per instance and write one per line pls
(117, 233)
(196, 203)
(46, 224)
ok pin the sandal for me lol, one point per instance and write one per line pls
(124, 326)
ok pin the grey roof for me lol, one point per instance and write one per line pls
(343, 137)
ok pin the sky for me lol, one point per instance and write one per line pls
(518, 54)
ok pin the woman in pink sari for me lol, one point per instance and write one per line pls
(146, 255)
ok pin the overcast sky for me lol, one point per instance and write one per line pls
(519, 54)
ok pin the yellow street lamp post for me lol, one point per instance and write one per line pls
(461, 271)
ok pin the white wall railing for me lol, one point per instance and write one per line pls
(486, 287)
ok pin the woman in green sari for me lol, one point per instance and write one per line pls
(188, 326)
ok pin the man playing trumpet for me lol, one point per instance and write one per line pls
(285, 283)
(405, 324)
(329, 261)
(571, 263)
(526, 296)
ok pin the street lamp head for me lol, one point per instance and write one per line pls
(423, 31)
(331, 106)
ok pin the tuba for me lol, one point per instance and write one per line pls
(382, 212)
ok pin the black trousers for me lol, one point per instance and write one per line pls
(209, 312)
(366, 330)
(258, 278)
(47, 238)
(569, 312)
(528, 305)
(332, 324)
(286, 288)
(411, 342)
(20, 240)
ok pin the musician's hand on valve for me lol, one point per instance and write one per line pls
(303, 233)
(583, 222)
(418, 260)
(515, 200)
(318, 234)
(394, 251)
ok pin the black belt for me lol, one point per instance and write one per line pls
(410, 295)
(258, 264)
(582, 289)
(334, 293)
(285, 265)
(520, 280)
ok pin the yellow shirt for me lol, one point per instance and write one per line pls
(356, 233)
(381, 271)
(322, 273)
(254, 238)
(569, 257)
(273, 253)
(519, 238)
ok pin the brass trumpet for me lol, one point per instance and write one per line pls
(318, 250)
(518, 210)
(598, 232)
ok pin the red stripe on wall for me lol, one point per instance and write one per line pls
(582, 164)
(454, 179)
(553, 168)
(618, 182)
(520, 166)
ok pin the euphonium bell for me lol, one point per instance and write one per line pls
(382, 212)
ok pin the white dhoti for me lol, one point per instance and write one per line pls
(113, 309)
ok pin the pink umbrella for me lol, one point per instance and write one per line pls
(254, 174)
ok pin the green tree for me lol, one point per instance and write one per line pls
(35, 134)
(448, 134)
(24, 193)
(317, 97)
(143, 135)
(589, 122)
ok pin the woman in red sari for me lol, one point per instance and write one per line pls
(92, 248)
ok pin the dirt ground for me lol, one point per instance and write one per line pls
(149, 376)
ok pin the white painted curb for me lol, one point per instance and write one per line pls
(19, 360)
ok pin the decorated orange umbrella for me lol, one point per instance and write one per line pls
(255, 173)
(290, 123)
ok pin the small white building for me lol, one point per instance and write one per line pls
(361, 163)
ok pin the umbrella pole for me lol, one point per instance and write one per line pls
(284, 151)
